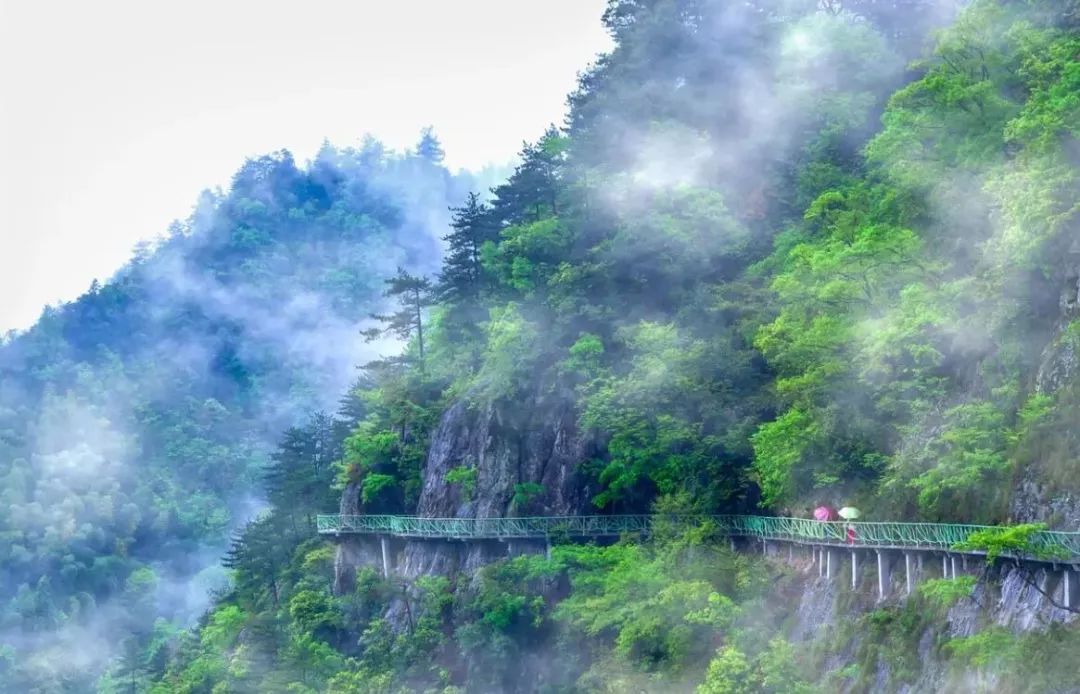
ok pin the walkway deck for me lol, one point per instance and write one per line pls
(1063, 547)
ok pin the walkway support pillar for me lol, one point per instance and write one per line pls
(854, 570)
(828, 563)
(881, 574)
(944, 565)
(384, 545)
(953, 560)
(547, 547)
(1067, 601)
(820, 561)
(907, 573)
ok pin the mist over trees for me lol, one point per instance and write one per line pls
(137, 422)
(781, 253)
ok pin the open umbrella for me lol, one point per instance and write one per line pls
(825, 513)
(849, 513)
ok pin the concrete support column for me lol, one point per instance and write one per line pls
(944, 565)
(1068, 589)
(854, 570)
(790, 553)
(384, 545)
(881, 571)
(732, 541)
(907, 573)
(820, 561)
(953, 561)
(547, 548)
(963, 563)
(828, 563)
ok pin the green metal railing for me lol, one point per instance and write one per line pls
(1063, 546)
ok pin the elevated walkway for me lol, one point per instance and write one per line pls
(870, 535)
(886, 540)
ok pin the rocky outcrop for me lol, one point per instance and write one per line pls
(534, 441)
(354, 551)
(1037, 496)
(507, 444)
(1004, 596)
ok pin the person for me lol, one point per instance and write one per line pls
(851, 533)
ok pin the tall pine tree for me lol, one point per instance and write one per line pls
(462, 274)
(414, 295)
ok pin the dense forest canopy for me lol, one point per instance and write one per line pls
(781, 253)
(136, 422)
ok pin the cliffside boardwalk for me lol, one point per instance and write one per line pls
(888, 542)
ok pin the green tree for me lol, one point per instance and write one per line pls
(414, 295)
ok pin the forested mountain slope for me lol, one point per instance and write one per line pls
(780, 254)
(136, 422)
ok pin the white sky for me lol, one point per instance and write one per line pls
(114, 114)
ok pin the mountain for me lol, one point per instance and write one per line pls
(136, 422)
(782, 253)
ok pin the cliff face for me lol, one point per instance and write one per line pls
(356, 550)
(1047, 489)
(535, 440)
(818, 610)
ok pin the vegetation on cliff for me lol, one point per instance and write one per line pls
(781, 252)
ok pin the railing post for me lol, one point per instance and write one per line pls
(384, 546)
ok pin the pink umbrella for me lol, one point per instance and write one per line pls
(825, 513)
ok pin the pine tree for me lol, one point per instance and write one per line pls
(414, 294)
(258, 553)
(429, 147)
(462, 274)
(300, 474)
(532, 192)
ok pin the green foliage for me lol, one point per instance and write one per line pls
(465, 478)
(1014, 541)
(525, 492)
(729, 673)
(655, 605)
(841, 283)
(943, 593)
(993, 645)
(414, 295)
(775, 670)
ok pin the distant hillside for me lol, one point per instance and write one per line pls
(135, 422)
